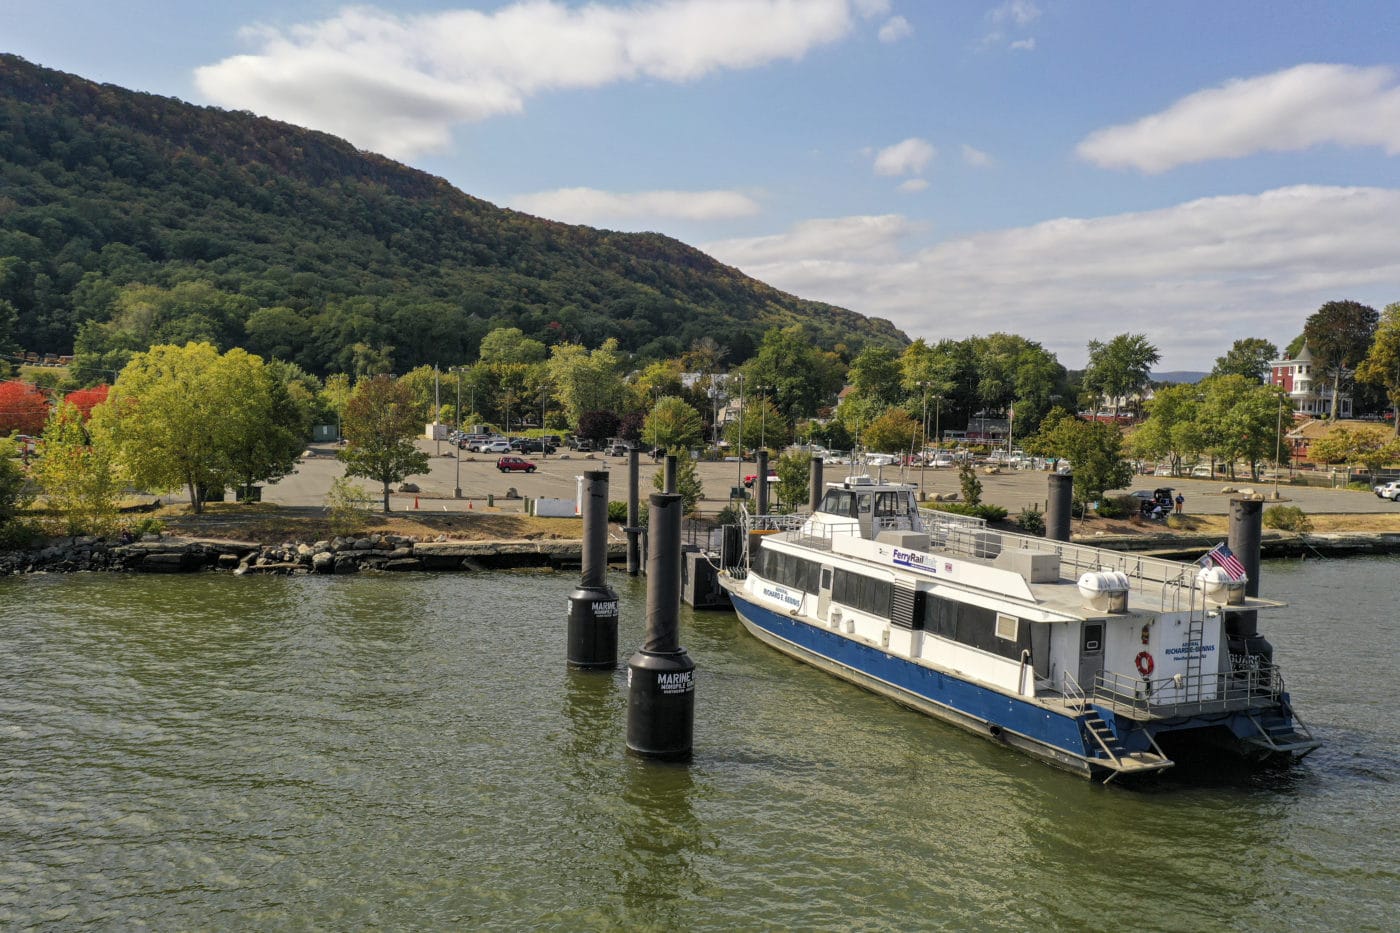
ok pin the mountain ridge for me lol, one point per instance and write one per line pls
(315, 246)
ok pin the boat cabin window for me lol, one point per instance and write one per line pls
(788, 570)
(864, 500)
(867, 594)
(891, 504)
(976, 627)
(839, 502)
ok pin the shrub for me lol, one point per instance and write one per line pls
(1031, 520)
(18, 534)
(617, 513)
(1117, 506)
(149, 525)
(1286, 518)
(971, 485)
(349, 505)
(991, 513)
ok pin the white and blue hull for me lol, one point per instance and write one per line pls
(1029, 726)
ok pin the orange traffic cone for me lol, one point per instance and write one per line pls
(415, 502)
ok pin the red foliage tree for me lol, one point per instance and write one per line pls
(23, 408)
(87, 399)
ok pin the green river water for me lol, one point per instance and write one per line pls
(410, 751)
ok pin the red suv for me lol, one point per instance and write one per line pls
(515, 465)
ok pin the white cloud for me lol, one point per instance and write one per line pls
(975, 157)
(601, 208)
(904, 158)
(1018, 12)
(914, 184)
(398, 84)
(869, 9)
(1023, 45)
(1194, 278)
(1288, 110)
(895, 28)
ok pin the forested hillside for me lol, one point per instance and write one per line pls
(128, 219)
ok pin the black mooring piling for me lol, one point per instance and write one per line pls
(593, 606)
(634, 558)
(668, 476)
(814, 484)
(661, 676)
(1245, 536)
(1057, 506)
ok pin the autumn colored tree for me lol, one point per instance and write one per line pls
(85, 400)
(78, 477)
(381, 422)
(23, 408)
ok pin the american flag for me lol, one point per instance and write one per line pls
(1223, 557)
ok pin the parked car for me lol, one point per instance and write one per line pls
(619, 449)
(749, 480)
(515, 465)
(582, 444)
(498, 446)
(1201, 471)
(528, 445)
(1390, 490)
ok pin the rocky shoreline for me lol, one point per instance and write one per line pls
(340, 555)
(396, 553)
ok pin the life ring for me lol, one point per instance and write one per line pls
(1145, 664)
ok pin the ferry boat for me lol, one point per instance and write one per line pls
(1101, 662)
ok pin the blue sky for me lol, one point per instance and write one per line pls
(1064, 170)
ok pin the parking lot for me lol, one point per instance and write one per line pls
(557, 475)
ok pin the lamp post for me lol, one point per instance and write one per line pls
(1278, 446)
(457, 446)
(923, 439)
(739, 438)
(762, 417)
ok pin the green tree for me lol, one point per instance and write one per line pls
(1094, 449)
(265, 434)
(1249, 357)
(794, 471)
(587, 381)
(1171, 430)
(173, 417)
(761, 423)
(969, 483)
(1119, 367)
(673, 425)
(78, 476)
(688, 483)
(876, 374)
(335, 395)
(801, 378)
(1239, 420)
(14, 494)
(380, 425)
(1339, 334)
(510, 345)
(894, 431)
(1382, 363)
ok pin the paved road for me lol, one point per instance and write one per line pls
(557, 476)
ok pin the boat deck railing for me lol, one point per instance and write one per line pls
(1215, 692)
(969, 537)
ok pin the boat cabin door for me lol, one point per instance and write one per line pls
(824, 594)
(1090, 654)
